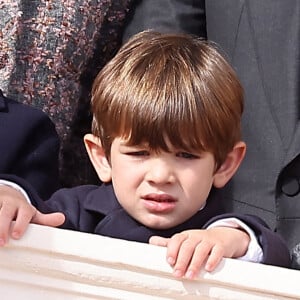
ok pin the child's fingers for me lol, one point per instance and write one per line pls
(7, 215)
(158, 241)
(217, 253)
(14, 206)
(53, 219)
(174, 245)
(180, 252)
(197, 259)
(198, 253)
(23, 218)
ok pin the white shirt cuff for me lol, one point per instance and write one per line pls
(16, 187)
(254, 252)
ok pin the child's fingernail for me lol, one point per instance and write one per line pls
(208, 267)
(171, 260)
(189, 274)
(15, 234)
(177, 273)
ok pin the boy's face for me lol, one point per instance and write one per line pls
(160, 190)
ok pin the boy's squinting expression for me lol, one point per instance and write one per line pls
(160, 189)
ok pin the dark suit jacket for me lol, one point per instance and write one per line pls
(262, 41)
(29, 145)
(95, 209)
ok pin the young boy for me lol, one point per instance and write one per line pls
(166, 132)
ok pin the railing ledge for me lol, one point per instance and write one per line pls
(50, 263)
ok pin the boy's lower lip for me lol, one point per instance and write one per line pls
(159, 206)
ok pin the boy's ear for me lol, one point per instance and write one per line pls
(230, 165)
(97, 157)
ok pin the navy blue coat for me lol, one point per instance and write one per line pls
(95, 209)
(29, 145)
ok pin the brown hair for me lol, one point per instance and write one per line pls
(172, 87)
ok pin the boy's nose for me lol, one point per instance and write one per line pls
(160, 172)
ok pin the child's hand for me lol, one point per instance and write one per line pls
(15, 207)
(187, 251)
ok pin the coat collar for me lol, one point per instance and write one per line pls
(102, 200)
(115, 221)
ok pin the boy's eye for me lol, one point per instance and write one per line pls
(186, 155)
(138, 153)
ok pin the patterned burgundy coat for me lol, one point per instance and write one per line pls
(50, 52)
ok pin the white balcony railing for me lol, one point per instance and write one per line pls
(49, 264)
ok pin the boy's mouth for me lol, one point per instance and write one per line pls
(159, 197)
(159, 203)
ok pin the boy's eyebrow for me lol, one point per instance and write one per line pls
(127, 144)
